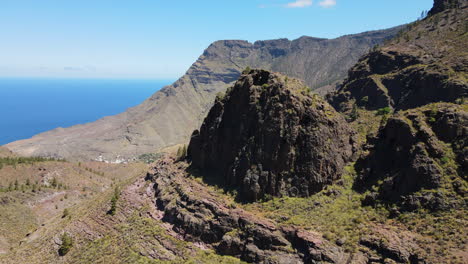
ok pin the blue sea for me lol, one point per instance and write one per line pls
(32, 106)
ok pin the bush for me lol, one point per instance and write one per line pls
(67, 244)
(182, 152)
(114, 200)
(384, 111)
(365, 100)
(65, 213)
(354, 113)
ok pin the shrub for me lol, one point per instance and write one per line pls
(365, 100)
(67, 244)
(384, 111)
(65, 213)
(354, 113)
(182, 152)
(114, 200)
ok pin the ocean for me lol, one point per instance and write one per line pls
(31, 106)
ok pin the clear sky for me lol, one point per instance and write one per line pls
(161, 38)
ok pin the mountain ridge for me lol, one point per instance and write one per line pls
(169, 116)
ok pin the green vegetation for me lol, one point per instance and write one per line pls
(115, 198)
(365, 100)
(444, 229)
(65, 213)
(35, 187)
(13, 161)
(137, 238)
(182, 152)
(384, 111)
(220, 96)
(149, 158)
(99, 173)
(246, 70)
(336, 212)
(67, 244)
(354, 113)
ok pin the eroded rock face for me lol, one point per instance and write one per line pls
(270, 136)
(397, 80)
(419, 150)
(424, 64)
(441, 5)
(204, 217)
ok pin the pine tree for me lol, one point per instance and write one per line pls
(354, 113)
(114, 200)
(67, 244)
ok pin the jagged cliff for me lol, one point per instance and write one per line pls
(170, 115)
(425, 63)
(419, 159)
(270, 135)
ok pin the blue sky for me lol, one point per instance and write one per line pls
(160, 39)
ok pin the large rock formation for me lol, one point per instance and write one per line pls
(170, 115)
(426, 63)
(269, 135)
(204, 217)
(419, 159)
(442, 5)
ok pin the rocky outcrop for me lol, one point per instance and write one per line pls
(210, 219)
(397, 80)
(269, 135)
(425, 63)
(171, 114)
(442, 5)
(202, 216)
(418, 159)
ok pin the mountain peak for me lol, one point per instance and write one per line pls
(271, 136)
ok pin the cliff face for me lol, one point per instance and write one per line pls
(269, 135)
(425, 63)
(170, 115)
(442, 5)
(200, 215)
(419, 159)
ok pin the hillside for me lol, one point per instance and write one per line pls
(41, 200)
(274, 174)
(170, 115)
(426, 62)
(4, 152)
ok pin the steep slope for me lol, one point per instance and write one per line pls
(4, 152)
(170, 115)
(427, 62)
(269, 179)
(36, 212)
(419, 159)
(269, 135)
(416, 158)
